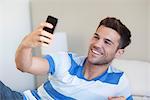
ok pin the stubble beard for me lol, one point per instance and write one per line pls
(98, 60)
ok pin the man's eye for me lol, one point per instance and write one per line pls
(107, 42)
(96, 37)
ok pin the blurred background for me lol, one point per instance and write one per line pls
(77, 19)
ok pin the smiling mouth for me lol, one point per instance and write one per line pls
(96, 52)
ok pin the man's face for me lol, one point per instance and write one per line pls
(103, 46)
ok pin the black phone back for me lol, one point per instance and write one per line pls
(53, 21)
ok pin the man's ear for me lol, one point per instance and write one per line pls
(119, 53)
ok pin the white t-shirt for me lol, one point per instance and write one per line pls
(67, 82)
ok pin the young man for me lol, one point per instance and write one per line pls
(72, 77)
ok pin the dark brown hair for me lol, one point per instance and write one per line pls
(119, 27)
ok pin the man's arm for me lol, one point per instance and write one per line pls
(117, 98)
(24, 59)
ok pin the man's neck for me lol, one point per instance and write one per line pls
(92, 71)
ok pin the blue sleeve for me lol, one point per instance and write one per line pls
(59, 63)
(130, 98)
(51, 64)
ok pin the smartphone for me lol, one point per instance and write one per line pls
(53, 21)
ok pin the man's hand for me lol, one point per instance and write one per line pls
(39, 37)
(117, 98)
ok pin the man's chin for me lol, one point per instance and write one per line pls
(97, 62)
(92, 60)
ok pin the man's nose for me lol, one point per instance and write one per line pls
(99, 43)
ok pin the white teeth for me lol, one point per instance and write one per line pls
(94, 51)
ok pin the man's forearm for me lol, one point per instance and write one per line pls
(23, 58)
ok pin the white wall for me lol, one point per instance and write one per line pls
(148, 4)
(79, 20)
(14, 24)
